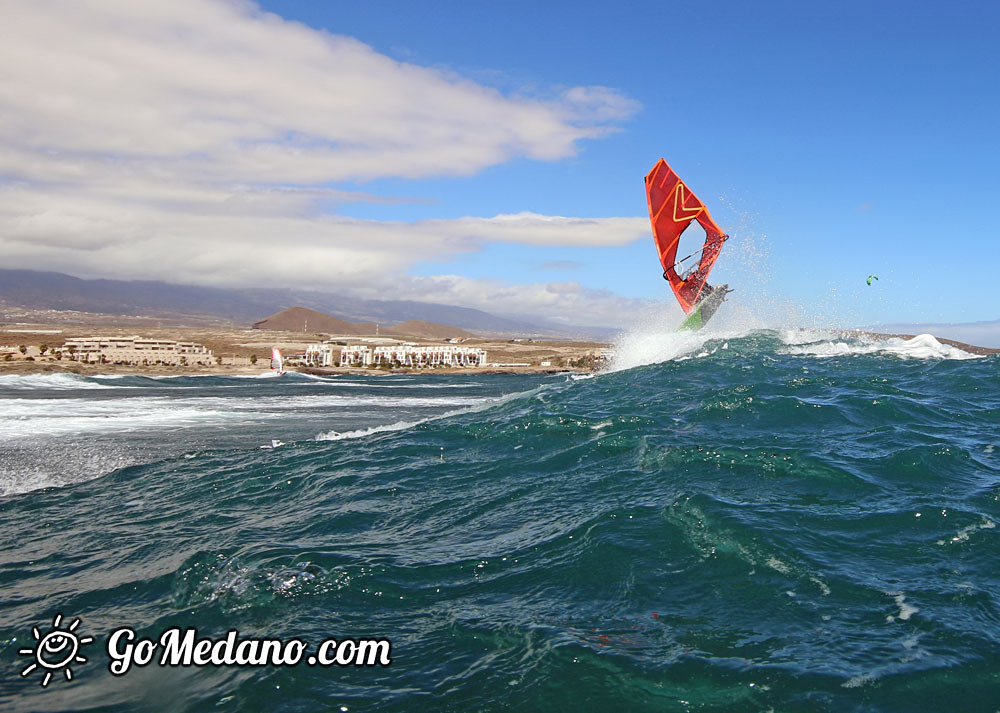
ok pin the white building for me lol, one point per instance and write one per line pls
(400, 353)
(325, 354)
(412, 355)
(136, 350)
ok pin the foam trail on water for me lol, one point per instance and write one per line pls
(34, 418)
(75, 417)
(476, 405)
(421, 387)
(922, 346)
(362, 432)
(802, 335)
(47, 381)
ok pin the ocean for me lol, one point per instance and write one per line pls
(756, 521)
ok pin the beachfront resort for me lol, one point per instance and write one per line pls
(394, 354)
(136, 351)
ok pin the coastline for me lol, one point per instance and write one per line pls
(48, 365)
(236, 346)
(83, 369)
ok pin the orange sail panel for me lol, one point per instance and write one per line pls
(672, 207)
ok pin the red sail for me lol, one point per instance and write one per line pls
(672, 207)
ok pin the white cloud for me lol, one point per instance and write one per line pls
(534, 229)
(260, 241)
(567, 303)
(219, 91)
(601, 102)
(192, 141)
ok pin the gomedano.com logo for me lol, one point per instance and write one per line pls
(182, 647)
(59, 648)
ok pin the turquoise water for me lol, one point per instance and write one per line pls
(756, 523)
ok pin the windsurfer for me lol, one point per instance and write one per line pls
(711, 298)
(672, 208)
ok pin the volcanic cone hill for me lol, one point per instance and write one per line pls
(427, 330)
(302, 319)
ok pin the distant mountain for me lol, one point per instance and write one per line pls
(53, 290)
(983, 334)
(301, 319)
(427, 330)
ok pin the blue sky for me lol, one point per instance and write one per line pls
(838, 139)
(837, 126)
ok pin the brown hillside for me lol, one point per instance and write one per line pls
(301, 319)
(427, 330)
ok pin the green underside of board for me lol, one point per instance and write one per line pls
(704, 310)
(693, 322)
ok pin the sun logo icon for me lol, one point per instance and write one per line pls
(56, 650)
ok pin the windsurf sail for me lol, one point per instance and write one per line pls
(672, 208)
(277, 363)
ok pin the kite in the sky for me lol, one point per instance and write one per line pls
(872, 277)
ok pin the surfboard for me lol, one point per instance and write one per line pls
(704, 310)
